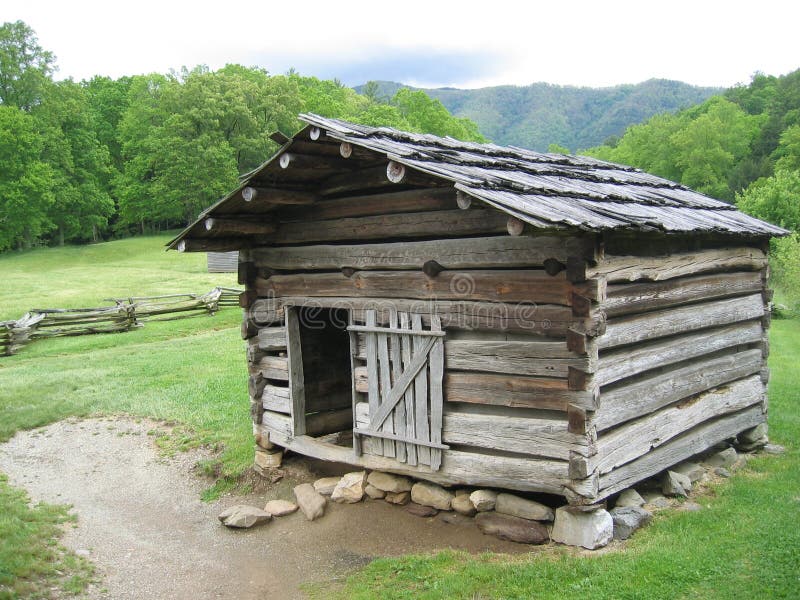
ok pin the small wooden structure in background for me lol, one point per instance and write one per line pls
(223, 262)
(478, 315)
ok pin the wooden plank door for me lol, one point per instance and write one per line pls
(405, 365)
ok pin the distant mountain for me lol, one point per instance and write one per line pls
(541, 114)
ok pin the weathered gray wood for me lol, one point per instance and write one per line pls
(216, 244)
(392, 330)
(648, 394)
(407, 440)
(625, 362)
(436, 364)
(373, 178)
(533, 286)
(354, 396)
(635, 438)
(372, 446)
(277, 399)
(296, 376)
(272, 338)
(399, 385)
(406, 342)
(690, 443)
(387, 426)
(546, 359)
(546, 319)
(537, 436)
(374, 204)
(657, 268)
(238, 225)
(273, 367)
(279, 426)
(514, 391)
(443, 223)
(421, 412)
(276, 196)
(398, 413)
(639, 297)
(660, 323)
(463, 468)
(473, 253)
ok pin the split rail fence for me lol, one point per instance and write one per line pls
(123, 315)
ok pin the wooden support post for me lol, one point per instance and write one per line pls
(296, 377)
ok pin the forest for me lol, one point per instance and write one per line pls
(90, 160)
(537, 115)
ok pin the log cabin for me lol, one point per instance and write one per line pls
(479, 315)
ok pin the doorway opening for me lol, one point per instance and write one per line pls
(327, 380)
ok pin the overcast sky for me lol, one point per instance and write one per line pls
(462, 44)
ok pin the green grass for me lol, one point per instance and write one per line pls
(31, 560)
(744, 544)
(83, 276)
(188, 372)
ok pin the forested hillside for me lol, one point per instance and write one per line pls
(541, 114)
(88, 160)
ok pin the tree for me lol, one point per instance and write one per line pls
(775, 199)
(25, 181)
(24, 66)
(427, 115)
(80, 164)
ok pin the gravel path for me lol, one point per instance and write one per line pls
(141, 522)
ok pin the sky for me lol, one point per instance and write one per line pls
(429, 44)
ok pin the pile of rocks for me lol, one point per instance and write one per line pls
(509, 516)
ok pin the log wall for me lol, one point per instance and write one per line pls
(568, 370)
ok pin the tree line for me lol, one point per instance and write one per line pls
(99, 158)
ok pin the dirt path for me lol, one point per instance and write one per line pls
(141, 522)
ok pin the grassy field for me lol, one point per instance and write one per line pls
(745, 544)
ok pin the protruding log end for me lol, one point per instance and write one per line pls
(553, 267)
(515, 226)
(432, 268)
(249, 194)
(345, 150)
(209, 224)
(285, 160)
(315, 133)
(395, 172)
(182, 246)
(463, 200)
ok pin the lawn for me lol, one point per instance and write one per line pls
(744, 544)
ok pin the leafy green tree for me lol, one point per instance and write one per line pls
(80, 164)
(775, 199)
(26, 192)
(787, 154)
(25, 67)
(427, 115)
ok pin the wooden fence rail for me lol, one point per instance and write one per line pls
(125, 314)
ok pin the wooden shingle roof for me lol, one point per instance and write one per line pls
(553, 190)
(547, 191)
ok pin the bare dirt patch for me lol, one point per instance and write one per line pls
(141, 521)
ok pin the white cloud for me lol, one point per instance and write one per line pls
(578, 42)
